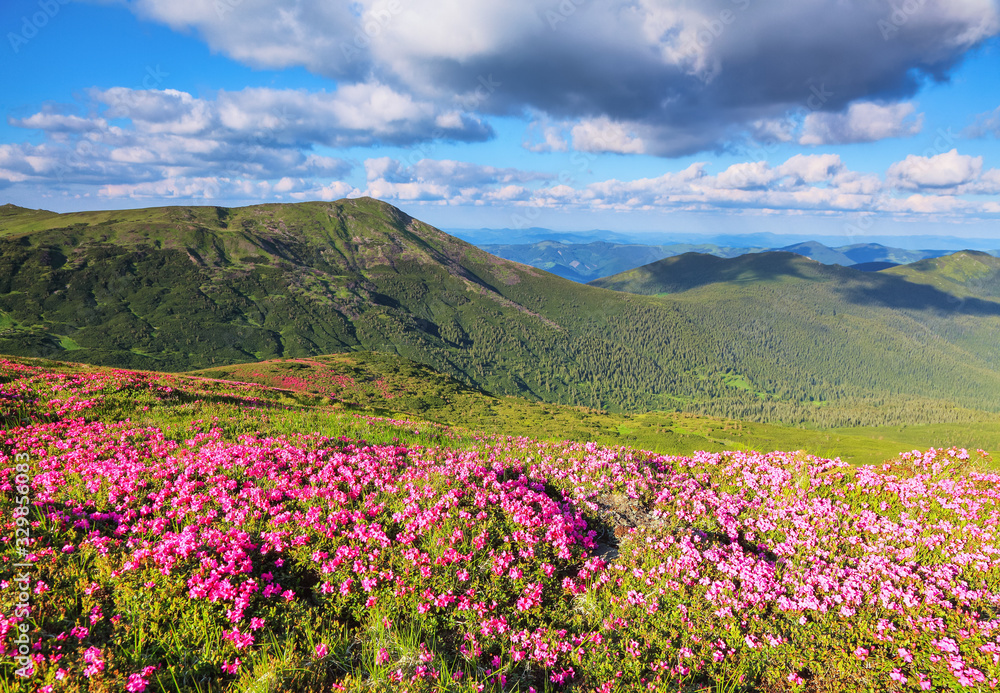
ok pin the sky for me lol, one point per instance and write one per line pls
(850, 118)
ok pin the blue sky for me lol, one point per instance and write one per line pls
(846, 117)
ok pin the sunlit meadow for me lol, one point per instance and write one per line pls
(168, 533)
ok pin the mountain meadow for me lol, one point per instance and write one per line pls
(328, 447)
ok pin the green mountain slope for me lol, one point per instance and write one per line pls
(969, 273)
(859, 253)
(690, 270)
(579, 262)
(840, 327)
(770, 337)
(873, 266)
(23, 216)
(584, 262)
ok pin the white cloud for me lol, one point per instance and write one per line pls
(603, 135)
(550, 135)
(208, 188)
(811, 168)
(947, 170)
(170, 145)
(458, 182)
(746, 175)
(286, 184)
(58, 123)
(377, 107)
(334, 191)
(987, 184)
(158, 141)
(356, 114)
(862, 122)
(770, 130)
(166, 111)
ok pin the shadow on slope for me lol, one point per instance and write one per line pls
(876, 289)
(691, 270)
(695, 270)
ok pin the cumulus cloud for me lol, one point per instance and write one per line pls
(811, 168)
(600, 135)
(181, 188)
(356, 114)
(214, 188)
(458, 173)
(756, 174)
(118, 156)
(334, 191)
(456, 182)
(172, 167)
(986, 184)
(947, 170)
(56, 123)
(861, 122)
(771, 130)
(545, 137)
(673, 76)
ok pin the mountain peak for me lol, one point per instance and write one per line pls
(819, 252)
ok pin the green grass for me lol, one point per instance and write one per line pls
(442, 408)
(736, 380)
(359, 382)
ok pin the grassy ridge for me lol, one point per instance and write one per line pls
(328, 394)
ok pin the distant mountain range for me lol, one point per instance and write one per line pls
(770, 336)
(773, 241)
(584, 262)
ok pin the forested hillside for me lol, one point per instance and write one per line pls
(843, 327)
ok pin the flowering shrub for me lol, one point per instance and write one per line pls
(192, 558)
